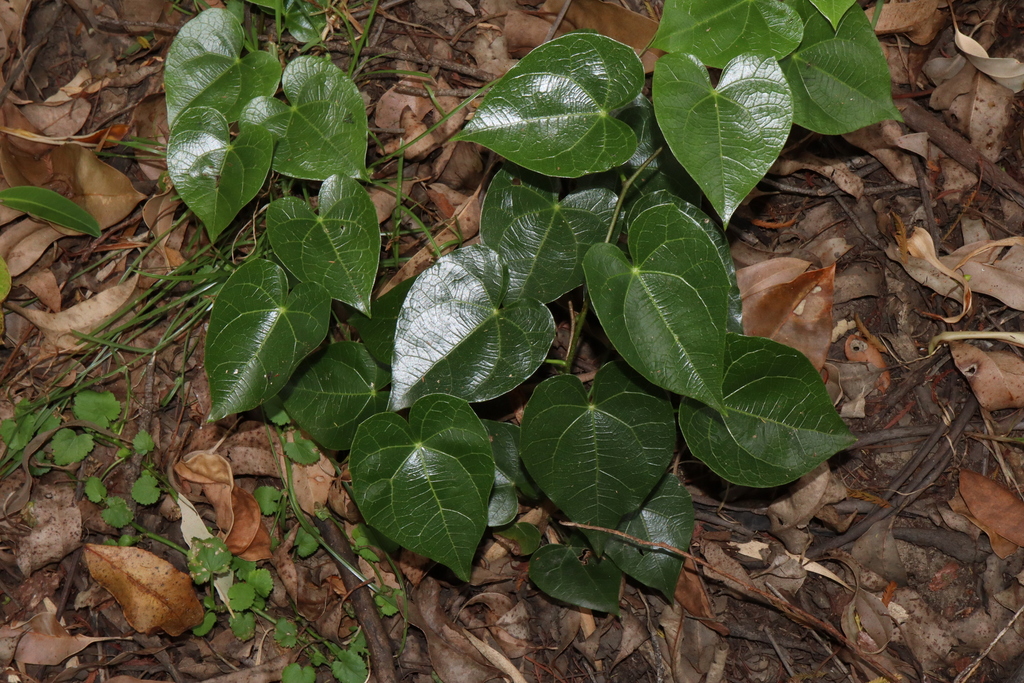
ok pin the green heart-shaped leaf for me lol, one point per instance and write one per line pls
(726, 138)
(258, 334)
(339, 249)
(425, 482)
(378, 332)
(666, 517)
(665, 207)
(666, 312)
(718, 30)
(551, 113)
(778, 422)
(204, 69)
(598, 455)
(456, 336)
(542, 239)
(215, 175)
(594, 585)
(663, 172)
(839, 78)
(333, 391)
(303, 19)
(833, 10)
(323, 131)
(47, 205)
(508, 474)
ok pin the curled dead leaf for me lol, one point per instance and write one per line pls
(153, 594)
(43, 640)
(996, 377)
(994, 505)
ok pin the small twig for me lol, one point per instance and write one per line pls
(557, 22)
(369, 51)
(363, 13)
(969, 671)
(443, 92)
(926, 199)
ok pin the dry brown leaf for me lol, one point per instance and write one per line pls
(835, 170)
(1005, 71)
(866, 622)
(153, 594)
(56, 528)
(46, 642)
(59, 328)
(1000, 546)
(248, 538)
(880, 141)
(996, 377)
(23, 243)
(994, 505)
(797, 313)
(610, 20)
(805, 497)
(451, 653)
(42, 283)
(312, 483)
(860, 351)
(99, 188)
(919, 19)
(58, 119)
(308, 598)
(985, 115)
(392, 104)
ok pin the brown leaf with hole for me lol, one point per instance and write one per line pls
(46, 642)
(994, 505)
(153, 594)
(59, 328)
(797, 312)
(1000, 546)
(996, 377)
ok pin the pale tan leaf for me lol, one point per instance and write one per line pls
(22, 243)
(59, 328)
(47, 643)
(996, 377)
(1005, 71)
(99, 188)
(994, 505)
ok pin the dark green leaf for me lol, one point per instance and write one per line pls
(505, 444)
(551, 112)
(348, 667)
(268, 498)
(204, 69)
(117, 514)
(839, 78)
(726, 137)
(594, 585)
(337, 249)
(209, 620)
(47, 205)
(285, 633)
(664, 172)
(241, 596)
(598, 455)
(333, 391)
(666, 517)
(425, 482)
(305, 544)
(323, 131)
(778, 422)
(258, 334)
(143, 442)
(524, 535)
(99, 407)
(667, 312)
(718, 30)
(261, 581)
(378, 332)
(833, 10)
(303, 19)
(301, 451)
(664, 207)
(542, 239)
(243, 625)
(456, 336)
(95, 490)
(215, 175)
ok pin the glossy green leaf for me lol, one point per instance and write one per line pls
(258, 333)
(594, 585)
(504, 503)
(666, 517)
(322, 131)
(726, 137)
(663, 172)
(524, 535)
(333, 391)
(833, 10)
(47, 205)
(778, 422)
(215, 174)
(598, 455)
(5, 282)
(667, 312)
(541, 238)
(303, 19)
(839, 78)
(665, 207)
(551, 113)
(455, 335)
(716, 31)
(505, 444)
(425, 482)
(378, 332)
(204, 68)
(338, 249)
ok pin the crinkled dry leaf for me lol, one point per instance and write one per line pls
(1000, 546)
(46, 642)
(866, 623)
(996, 377)
(993, 505)
(1005, 71)
(59, 328)
(805, 497)
(797, 313)
(835, 170)
(23, 243)
(248, 538)
(153, 594)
